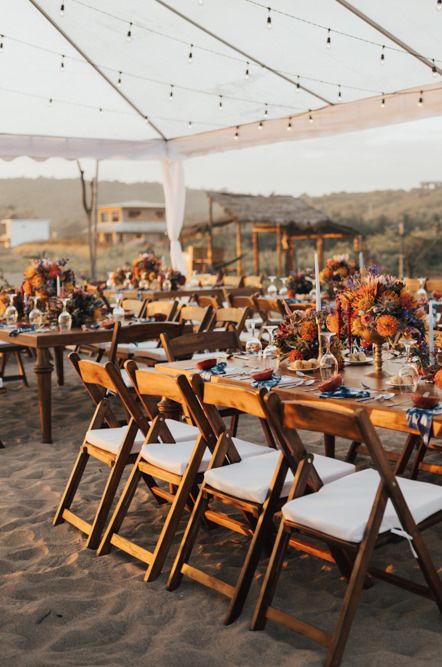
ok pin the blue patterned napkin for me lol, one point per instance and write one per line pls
(422, 421)
(20, 330)
(345, 392)
(218, 369)
(268, 384)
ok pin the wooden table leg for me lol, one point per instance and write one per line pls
(43, 370)
(329, 445)
(169, 409)
(411, 442)
(59, 367)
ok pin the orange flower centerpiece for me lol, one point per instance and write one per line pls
(337, 270)
(146, 268)
(379, 308)
(298, 334)
(40, 278)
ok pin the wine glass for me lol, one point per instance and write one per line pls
(118, 310)
(421, 293)
(328, 364)
(271, 351)
(11, 314)
(272, 289)
(408, 372)
(110, 282)
(253, 344)
(283, 290)
(65, 318)
(35, 316)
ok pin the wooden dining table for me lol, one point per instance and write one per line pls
(187, 291)
(386, 414)
(42, 342)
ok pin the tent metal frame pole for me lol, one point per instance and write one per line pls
(96, 68)
(389, 35)
(246, 55)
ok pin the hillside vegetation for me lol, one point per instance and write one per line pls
(376, 215)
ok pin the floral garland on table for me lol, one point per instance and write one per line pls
(85, 307)
(299, 283)
(380, 308)
(145, 267)
(337, 270)
(40, 278)
(298, 334)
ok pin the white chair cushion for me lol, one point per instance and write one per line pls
(133, 348)
(251, 479)
(110, 439)
(175, 457)
(342, 509)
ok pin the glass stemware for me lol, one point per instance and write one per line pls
(408, 372)
(35, 316)
(118, 310)
(253, 344)
(328, 364)
(11, 314)
(421, 293)
(65, 318)
(110, 282)
(283, 290)
(272, 289)
(270, 352)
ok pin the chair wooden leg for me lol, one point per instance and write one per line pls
(71, 486)
(170, 525)
(21, 368)
(105, 505)
(3, 364)
(352, 452)
(188, 541)
(329, 445)
(120, 511)
(234, 419)
(263, 528)
(421, 451)
(411, 442)
(271, 578)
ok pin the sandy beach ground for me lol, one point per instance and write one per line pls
(61, 605)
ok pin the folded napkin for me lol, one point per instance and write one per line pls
(422, 421)
(218, 369)
(20, 330)
(345, 392)
(268, 384)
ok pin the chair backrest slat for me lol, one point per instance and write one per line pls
(199, 317)
(339, 421)
(161, 307)
(183, 347)
(245, 399)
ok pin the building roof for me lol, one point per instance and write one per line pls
(131, 227)
(292, 213)
(135, 203)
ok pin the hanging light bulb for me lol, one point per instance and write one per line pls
(260, 125)
(339, 92)
(220, 103)
(100, 109)
(383, 101)
(236, 135)
(62, 9)
(383, 55)
(439, 5)
(247, 72)
(129, 32)
(1, 41)
(266, 110)
(310, 117)
(328, 40)
(146, 120)
(434, 68)
(62, 63)
(190, 56)
(171, 92)
(298, 85)
(269, 19)
(421, 99)
(50, 101)
(119, 82)
(189, 124)
(289, 125)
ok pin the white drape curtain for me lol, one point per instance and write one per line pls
(175, 197)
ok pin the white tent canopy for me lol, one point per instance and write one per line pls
(202, 76)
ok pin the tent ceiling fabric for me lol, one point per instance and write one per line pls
(55, 104)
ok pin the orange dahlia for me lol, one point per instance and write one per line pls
(333, 323)
(295, 355)
(357, 327)
(406, 299)
(308, 330)
(387, 325)
(390, 298)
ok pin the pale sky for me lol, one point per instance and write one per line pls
(397, 156)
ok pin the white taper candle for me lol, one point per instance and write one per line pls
(317, 283)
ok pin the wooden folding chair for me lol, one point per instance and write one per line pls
(7, 349)
(233, 281)
(238, 300)
(204, 300)
(141, 341)
(134, 305)
(196, 345)
(352, 515)
(105, 440)
(269, 310)
(255, 486)
(168, 309)
(231, 319)
(179, 464)
(199, 318)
